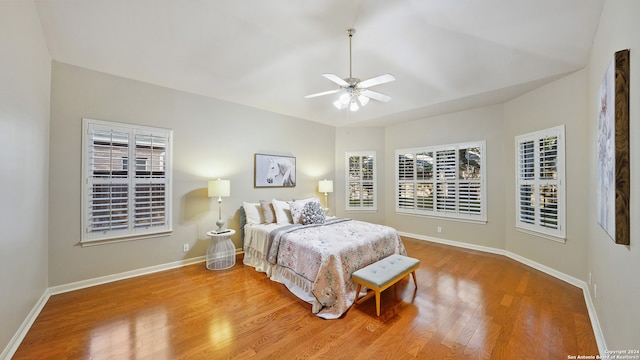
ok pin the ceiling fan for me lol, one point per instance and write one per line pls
(355, 93)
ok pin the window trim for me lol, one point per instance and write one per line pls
(537, 229)
(434, 212)
(374, 182)
(131, 232)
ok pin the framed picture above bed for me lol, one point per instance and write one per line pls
(274, 171)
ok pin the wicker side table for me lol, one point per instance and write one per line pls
(221, 253)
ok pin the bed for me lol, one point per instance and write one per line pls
(313, 255)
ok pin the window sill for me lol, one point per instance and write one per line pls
(87, 243)
(465, 220)
(542, 235)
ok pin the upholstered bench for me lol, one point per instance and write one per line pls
(382, 274)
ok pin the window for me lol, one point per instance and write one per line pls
(540, 194)
(120, 202)
(361, 180)
(447, 181)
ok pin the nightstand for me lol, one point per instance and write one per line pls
(221, 253)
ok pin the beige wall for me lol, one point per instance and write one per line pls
(211, 139)
(479, 124)
(615, 268)
(563, 102)
(25, 68)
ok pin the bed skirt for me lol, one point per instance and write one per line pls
(297, 284)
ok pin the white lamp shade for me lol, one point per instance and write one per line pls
(325, 186)
(219, 188)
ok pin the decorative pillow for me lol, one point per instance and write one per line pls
(268, 213)
(296, 207)
(283, 212)
(312, 213)
(313, 198)
(253, 213)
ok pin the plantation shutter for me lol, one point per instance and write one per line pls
(446, 190)
(150, 181)
(108, 183)
(540, 186)
(124, 197)
(442, 181)
(406, 185)
(469, 180)
(361, 180)
(424, 180)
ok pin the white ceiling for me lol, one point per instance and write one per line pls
(446, 55)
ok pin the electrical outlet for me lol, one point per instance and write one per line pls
(185, 247)
(439, 229)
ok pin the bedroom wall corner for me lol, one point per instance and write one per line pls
(211, 139)
(25, 70)
(485, 123)
(561, 102)
(359, 139)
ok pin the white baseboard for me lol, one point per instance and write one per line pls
(17, 338)
(595, 324)
(11, 348)
(121, 276)
(13, 345)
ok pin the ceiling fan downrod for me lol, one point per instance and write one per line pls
(350, 32)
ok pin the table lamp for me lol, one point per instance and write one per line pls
(219, 188)
(325, 186)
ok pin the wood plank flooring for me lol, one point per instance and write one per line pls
(468, 305)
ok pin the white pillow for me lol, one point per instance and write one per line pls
(253, 213)
(268, 213)
(296, 207)
(283, 212)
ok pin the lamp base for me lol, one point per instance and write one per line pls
(221, 225)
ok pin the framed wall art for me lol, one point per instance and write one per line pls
(274, 171)
(613, 173)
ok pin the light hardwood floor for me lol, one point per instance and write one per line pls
(468, 305)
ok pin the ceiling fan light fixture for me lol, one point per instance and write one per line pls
(354, 93)
(345, 98)
(363, 100)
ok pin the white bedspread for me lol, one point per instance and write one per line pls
(316, 262)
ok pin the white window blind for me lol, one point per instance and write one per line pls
(540, 192)
(446, 181)
(361, 180)
(122, 201)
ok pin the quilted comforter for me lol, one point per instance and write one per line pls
(328, 254)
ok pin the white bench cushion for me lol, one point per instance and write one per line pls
(386, 270)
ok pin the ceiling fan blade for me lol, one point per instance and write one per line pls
(375, 95)
(322, 93)
(336, 79)
(376, 81)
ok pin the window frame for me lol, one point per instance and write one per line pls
(372, 183)
(452, 183)
(538, 226)
(145, 203)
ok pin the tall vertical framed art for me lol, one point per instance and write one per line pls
(613, 173)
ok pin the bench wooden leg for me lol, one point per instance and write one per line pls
(414, 279)
(357, 293)
(377, 302)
